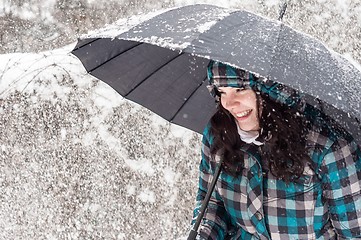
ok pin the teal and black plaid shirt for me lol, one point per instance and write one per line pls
(325, 203)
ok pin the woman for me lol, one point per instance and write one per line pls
(288, 172)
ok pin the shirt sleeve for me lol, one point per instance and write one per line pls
(215, 222)
(342, 187)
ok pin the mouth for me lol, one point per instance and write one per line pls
(244, 114)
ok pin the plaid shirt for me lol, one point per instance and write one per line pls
(323, 204)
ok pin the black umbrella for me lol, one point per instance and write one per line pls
(161, 63)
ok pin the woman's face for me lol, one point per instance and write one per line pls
(242, 104)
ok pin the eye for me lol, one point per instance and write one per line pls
(220, 92)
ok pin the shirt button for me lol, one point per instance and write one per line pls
(258, 216)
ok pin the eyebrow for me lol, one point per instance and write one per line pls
(240, 87)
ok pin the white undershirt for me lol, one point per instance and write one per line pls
(249, 136)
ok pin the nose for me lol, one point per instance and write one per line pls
(230, 102)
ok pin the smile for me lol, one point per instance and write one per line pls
(243, 114)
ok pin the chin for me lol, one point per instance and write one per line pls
(248, 127)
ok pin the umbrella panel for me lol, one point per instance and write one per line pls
(177, 27)
(307, 65)
(96, 52)
(196, 114)
(345, 120)
(240, 40)
(178, 94)
(127, 70)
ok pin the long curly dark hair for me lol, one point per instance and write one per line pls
(283, 132)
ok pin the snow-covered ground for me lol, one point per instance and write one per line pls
(77, 161)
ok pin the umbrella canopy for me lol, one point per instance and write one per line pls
(161, 62)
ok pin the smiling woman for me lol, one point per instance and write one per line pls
(288, 171)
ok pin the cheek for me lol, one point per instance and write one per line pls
(254, 101)
(250, 102)
(223, 102)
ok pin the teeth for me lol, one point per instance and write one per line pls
(242, 114)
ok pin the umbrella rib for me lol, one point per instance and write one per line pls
(156, 70)
(138, 43)
(274, 56)
(95, 39)
(179, 109)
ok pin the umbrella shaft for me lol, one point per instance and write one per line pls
(194, 231)
(282, 10)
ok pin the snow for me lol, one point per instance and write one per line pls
(121, 25)
(78, 161)
(73, 167)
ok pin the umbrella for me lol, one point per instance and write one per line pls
(161, 62)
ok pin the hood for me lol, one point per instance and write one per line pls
(223, 75)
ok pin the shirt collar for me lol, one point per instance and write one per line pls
(249, 136)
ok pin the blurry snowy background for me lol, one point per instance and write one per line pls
(79, 162)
